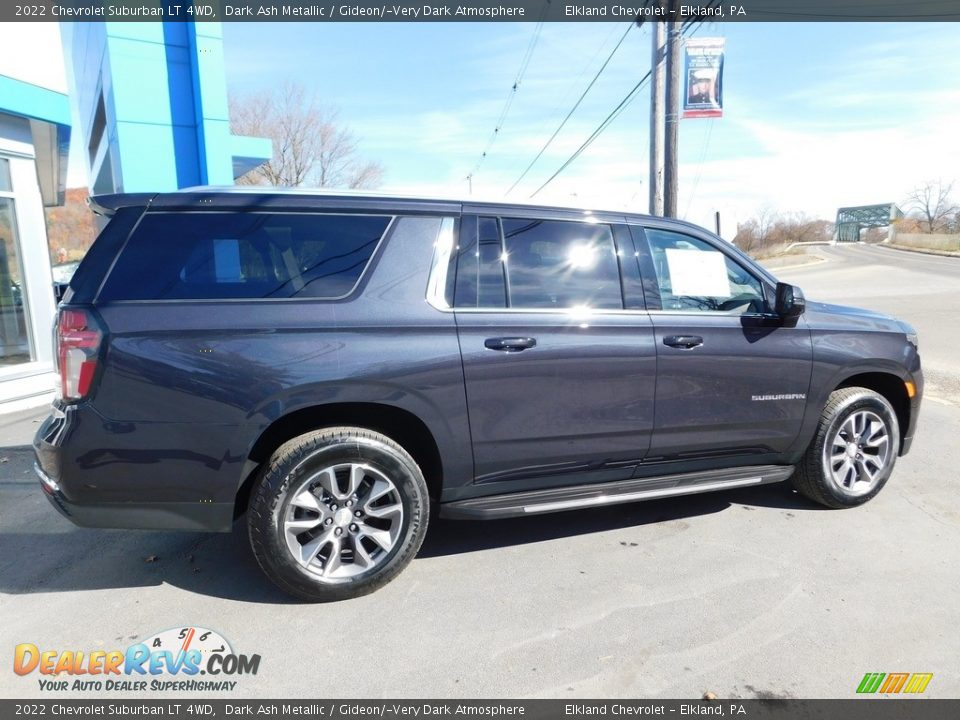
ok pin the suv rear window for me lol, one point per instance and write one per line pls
(233, 255)
(530, 264)
(559, 264)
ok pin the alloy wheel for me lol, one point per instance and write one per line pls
(858, 453)
(343, 521)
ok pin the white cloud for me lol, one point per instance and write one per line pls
(31, 52)
(867, 134)
(817, 170)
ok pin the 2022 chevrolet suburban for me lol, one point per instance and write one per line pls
(334, 367)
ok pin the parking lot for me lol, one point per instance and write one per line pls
(749, 593)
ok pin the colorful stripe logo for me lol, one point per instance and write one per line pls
(892, 683)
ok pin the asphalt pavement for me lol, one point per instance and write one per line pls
(747, 593)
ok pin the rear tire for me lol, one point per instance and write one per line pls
(337, 513)
(853, 451)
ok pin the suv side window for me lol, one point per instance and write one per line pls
(481, 278)
(236, 255)
(692, 275)
(532, 264)
(560, 264)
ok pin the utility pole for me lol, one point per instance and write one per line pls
(657, 38)
(672, 124)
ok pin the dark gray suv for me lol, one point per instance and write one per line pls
(336, 367)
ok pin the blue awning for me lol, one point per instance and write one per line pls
(249, 153)
(49, 114)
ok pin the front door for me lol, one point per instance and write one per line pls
(731, 379)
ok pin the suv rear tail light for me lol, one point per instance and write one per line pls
(78, 347)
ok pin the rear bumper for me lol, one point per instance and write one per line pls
(64, 484)
(155, 516)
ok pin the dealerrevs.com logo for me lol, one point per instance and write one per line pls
(172, 660)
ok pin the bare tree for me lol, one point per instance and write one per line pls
(310, 147)
(767, 218)
(755, 232)
(769, 230)
(931, 201)
(747, 237)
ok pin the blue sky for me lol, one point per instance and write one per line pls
(817, 114)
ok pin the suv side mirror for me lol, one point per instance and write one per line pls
(790, 301)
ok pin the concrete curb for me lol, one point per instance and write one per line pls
(820, 260)
(920, 251)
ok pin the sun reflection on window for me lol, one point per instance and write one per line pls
(582, 256)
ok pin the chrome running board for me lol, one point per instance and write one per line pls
(622, 491)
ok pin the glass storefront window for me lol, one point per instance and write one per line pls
(15, 345)
(5, 185)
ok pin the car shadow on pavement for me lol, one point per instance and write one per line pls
(43, 553)
(452, 537)
(75, 559)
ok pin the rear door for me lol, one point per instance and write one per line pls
(558, 352)
(732, 379)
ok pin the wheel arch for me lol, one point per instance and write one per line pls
(401, 426)
(891, 387)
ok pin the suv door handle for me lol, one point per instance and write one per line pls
(510, 344)
(685, 342)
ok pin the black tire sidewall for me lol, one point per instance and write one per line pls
(322, 451)
(866, 400)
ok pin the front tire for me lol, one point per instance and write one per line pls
(853, 452)
(337, 513)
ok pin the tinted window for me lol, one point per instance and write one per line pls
(559, 264)
(243, 255)
(86, 280)
(491, 290)
(693, 275)
(480, 273)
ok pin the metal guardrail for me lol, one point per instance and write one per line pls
(791, 246)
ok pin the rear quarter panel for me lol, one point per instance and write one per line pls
(188, 387)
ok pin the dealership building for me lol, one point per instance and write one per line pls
(147, 105)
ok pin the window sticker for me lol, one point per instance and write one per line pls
(696, 273)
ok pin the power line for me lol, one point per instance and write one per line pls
(568, 93)
(571, 88)
(512, 94)
(690, 29)
(600, 128)
(572, 110)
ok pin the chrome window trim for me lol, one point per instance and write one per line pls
(585, 312)
(445, 244)
(440, 267)
(392, 220)
(577, 312)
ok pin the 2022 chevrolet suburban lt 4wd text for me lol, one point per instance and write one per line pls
(335, 367)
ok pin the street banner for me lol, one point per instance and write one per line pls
(703, 78)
